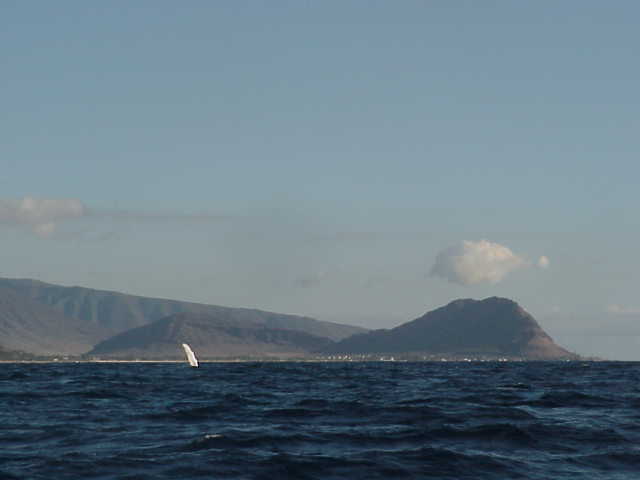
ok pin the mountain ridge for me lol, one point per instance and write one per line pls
(210, 336)
(31, 327)
(101, 314)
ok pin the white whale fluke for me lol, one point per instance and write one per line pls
(193, 361)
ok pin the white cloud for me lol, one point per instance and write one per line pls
(543, 262)
(43, 215)
(621, 310)
(470, 263)
(40, 215)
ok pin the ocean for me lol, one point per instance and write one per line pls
(387, 420)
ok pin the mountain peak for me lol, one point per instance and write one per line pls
(494, 326)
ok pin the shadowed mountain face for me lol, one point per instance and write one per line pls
(494, 326)
(29, 326)
(107, 313)
(210, 336)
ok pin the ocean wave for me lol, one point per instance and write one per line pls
(320, 421)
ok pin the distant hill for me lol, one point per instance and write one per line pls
(492, 327)
(29, 326)
(105, 313)
(211, 336)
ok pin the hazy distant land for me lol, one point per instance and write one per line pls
(42, 321)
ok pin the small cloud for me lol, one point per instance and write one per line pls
(471, 263)
(155, 216)
(309, 280)
(543, 262)
(44, 229)
(43, 215)
(621, 310)
(40, 215)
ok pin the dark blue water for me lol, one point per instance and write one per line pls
(320, 421)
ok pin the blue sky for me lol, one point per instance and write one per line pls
(316, 157)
